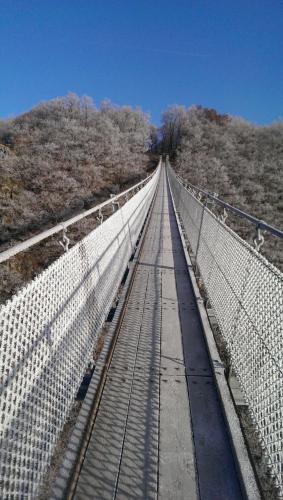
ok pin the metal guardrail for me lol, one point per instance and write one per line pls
(260, 224)
(48, 333)
(34, 240)
(245, 292)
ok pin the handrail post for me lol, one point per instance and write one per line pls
(199, 234)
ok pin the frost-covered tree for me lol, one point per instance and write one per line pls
(173, 126)
(65, 155)
(242, 162)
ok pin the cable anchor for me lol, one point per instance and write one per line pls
(114, 203)
(223, 216)
(65, 240)
(259, 239)
(100, 216)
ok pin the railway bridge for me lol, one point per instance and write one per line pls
(158, 419)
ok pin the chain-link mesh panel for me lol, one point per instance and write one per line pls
(48, 332)
(246, 293)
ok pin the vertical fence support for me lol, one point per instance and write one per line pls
(198, 242)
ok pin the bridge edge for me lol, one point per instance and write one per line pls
(64, 484)
(247, 476)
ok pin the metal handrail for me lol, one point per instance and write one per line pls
(62, 226)
(260, 224)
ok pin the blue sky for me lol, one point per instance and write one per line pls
(226, 54)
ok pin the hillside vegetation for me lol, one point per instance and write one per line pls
(241, 162)
(60, 158)
(67, 155)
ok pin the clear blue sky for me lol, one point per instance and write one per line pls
(226, 54)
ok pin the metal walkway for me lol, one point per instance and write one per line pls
(159, 431)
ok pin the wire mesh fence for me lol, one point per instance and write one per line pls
(48, 333)
(246, 294)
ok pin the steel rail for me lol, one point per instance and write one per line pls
(62, 226)
(260, 224)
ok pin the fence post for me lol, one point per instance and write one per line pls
(199, 235)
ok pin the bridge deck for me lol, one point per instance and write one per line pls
(159, 430)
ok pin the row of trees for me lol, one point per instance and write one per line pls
(66, 155)
(241, 162)
(63, 154)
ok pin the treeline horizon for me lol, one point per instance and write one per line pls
(241, 162)
(105, 143)
(66, 154)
